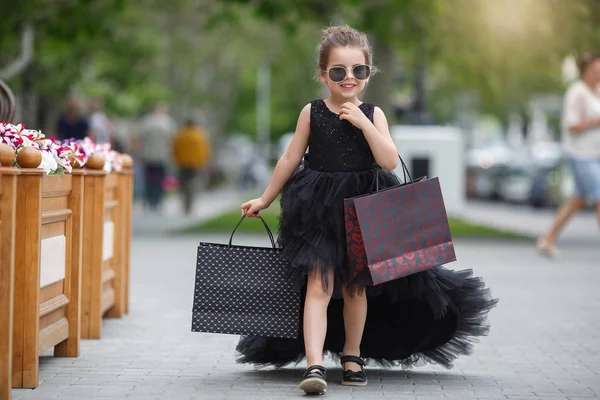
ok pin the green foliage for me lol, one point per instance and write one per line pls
(205, 54)
(502, 52)
(292, 68)
(96, 47)
(505, 52)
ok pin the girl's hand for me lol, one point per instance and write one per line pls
(251, 208)
(351, 112)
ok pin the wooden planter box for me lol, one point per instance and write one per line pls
(68, 268)
(47, 270)
(106, 240)
(8, 212)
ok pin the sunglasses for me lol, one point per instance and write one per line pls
(338, 74)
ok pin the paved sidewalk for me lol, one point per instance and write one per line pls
(544, 342)
(172, 218)
(582, 229)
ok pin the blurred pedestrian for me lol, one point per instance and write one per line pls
(581, 141)
(192, 151)
(71, 123)
(154, 140)
(99, 123)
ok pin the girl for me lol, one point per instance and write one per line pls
(581, 141)
(431, 315)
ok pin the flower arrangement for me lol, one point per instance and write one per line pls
(27, 148)
(32, 147)
(81, 150)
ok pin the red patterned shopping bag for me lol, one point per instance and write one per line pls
(397, 232)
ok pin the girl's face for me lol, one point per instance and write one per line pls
(346, 57)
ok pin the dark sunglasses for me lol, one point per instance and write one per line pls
(338, 74)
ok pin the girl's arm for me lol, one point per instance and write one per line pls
(377, 134)
(287, 164)
(382, 145)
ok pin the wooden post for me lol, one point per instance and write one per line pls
(8, 212)
(26, 315)
(91, 285)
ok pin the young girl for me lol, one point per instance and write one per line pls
(432, 315)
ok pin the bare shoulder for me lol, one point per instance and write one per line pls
(306, 111)
(304, 116)
(378, 114)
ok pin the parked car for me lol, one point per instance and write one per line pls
(515, 183)
(551, 186)
(486, 182)
(485, 167)
(525, 174)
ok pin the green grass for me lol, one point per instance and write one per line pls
(226, 222)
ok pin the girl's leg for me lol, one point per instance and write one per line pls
(315, 317)
(598, 212)
(355, 315)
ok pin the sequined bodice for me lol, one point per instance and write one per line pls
(337, 145)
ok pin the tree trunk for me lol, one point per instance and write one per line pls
(419, 113)
(14, 68)
(29, 98)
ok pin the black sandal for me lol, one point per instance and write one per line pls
(313, 382)
(354, 378)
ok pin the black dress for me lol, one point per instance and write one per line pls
(432, 316)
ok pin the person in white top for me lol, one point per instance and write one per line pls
(581, 142)
(155, 135)
(101, 127)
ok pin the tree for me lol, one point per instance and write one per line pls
(502, 52)
(65, 31)
(391, 25)
(506, 52)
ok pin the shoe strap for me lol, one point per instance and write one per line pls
(322, 370)
(352, 375)
(354, 359)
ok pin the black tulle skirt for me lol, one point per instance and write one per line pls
(431, 316)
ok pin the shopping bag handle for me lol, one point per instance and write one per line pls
(405, 172)
(264, 223)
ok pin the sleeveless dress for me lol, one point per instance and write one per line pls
(432, 316)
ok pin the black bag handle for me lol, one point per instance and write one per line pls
(405, 172)
(264, 223)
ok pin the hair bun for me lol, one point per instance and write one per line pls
(333, 30)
